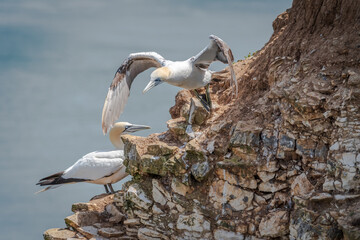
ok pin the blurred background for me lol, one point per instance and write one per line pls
(57, 60)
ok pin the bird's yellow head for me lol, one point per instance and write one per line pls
(158, 76)
(120, 128)
(162, 73)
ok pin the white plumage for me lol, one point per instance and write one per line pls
(192, 73)
(94, 166)
(103, 168)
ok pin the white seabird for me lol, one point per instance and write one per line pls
(96, 167)
(192, 73)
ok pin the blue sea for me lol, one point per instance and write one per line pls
(57, 60)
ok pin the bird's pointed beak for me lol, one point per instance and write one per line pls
(134, 128)
(151, 84)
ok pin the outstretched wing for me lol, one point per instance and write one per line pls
(120, 87)
(216, 50)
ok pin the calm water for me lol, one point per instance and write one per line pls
(57, 59)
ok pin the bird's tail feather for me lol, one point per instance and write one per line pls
(48, 188)
(57, 180)
(50, 179)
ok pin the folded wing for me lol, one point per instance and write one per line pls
(95, 165)
(217, 50)
(90, 167)
(120, 87)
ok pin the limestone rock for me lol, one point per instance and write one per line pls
(137, 196)
(328, 185)
(302, 227)
(270, 166)
(88, 231)
(240, 199)
(349, 224)
(156, 210)
(160, 149)
(242, 228)
(178, 128)
(132, 222)
(347, 159)
(247, 135)
(272, 187)
(82, 207)
(119, 199)
(200, 170)
(159, 193)
(274, 225)
(229, 225)
(82, 222)
(349, 178)
(318, 166)
(182, 106)
(194, 223)
(301, 186)
(259, 199)
(320, 197)
(58, 234)
(245, 153)
(221, 234)
(153, 164)
(222, 192)
(149, 234)
(116, 215)
(239, 168)
(291, 173)
(141, 214)
(269, 139)
(227, 176)
(247, 182)
(80, 219)
(97, 203)
(163, 159)
(266, 176)
(110, 232)
(306, 147)
(197, 114)
(281, 177)
(354, 78)
(286, 143)
(343, 198)
(194, 147)
(178, 187)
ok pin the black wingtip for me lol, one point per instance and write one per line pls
(55, 175)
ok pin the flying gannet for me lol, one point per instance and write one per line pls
(96, 167)
(190, 74)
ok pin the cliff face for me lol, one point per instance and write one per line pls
(281, 161)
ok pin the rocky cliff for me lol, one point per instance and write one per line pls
(280, 161)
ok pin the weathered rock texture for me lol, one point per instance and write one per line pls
(281, 161)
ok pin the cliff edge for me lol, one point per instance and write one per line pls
(281, 161)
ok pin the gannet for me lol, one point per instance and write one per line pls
(190, 74)
(96, 167)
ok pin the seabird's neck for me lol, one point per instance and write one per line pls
(115, 138)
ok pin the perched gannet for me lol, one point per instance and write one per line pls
(97, 167)
(192, 73)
